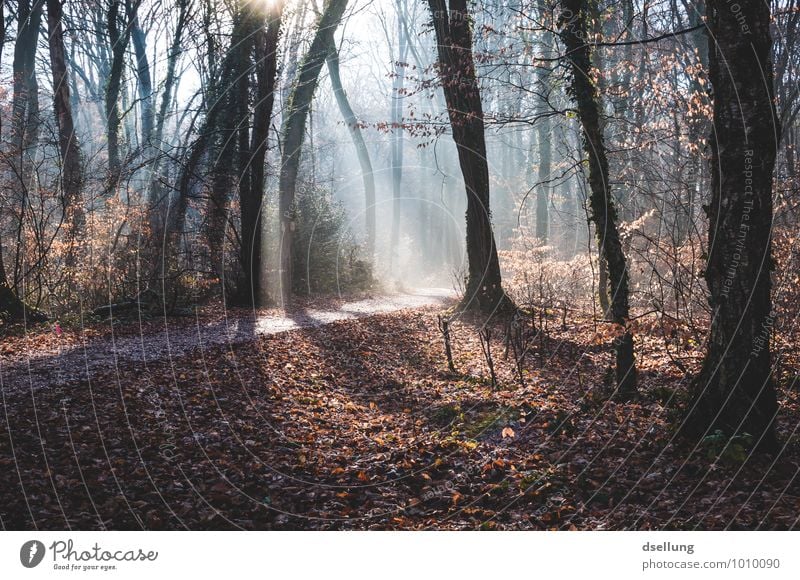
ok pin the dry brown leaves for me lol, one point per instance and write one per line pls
(359, 425)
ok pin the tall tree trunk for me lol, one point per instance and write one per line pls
(291, 53)
(396, 120)
(143, 75)
(544, 133)
(360, 145)
(696, 120)
(603, 289)
(574, 27)
(233, 133)
(622, 109)
(25, 84)
(218, 110)
(544, 130)
(266, 53)
(12, 308)
(294, 128)
(119, 42)
(484, 290)
(68, 145)
(10, 304)
(734, 391)
(24, 116)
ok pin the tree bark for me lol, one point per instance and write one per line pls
(233, 133)
(143, 75)
(10, 304)
(266, 53)
(24, 116)
(734, 392)
(484, 289)
(299, 104)
(544, 134)
(396, 120)
(574, 27)
(24, 111)
(602, 285)
(69, 147)
(217, 103)
(119, 42)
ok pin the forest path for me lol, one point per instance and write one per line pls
(43, 366)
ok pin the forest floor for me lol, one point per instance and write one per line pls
(355, 422)
(42, 358)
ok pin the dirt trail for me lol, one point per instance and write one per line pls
(45, 368)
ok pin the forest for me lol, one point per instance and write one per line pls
(399, 264)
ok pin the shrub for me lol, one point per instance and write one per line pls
(327, 257)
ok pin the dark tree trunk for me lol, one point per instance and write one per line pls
(119, 42)
(143, 75)
(215, 132)
(544, 177)
(574, 27)
(12, 308)
(396, 119)
(24, 117)
(734, 392)
(299, 104)
(697, 122)
(10, 304)
(602, 285)
(266, 53)
(23, 108)
(233, 132)
(484, 290)
(544, 133)
(361, 148)
(69, 148)
(622, 110)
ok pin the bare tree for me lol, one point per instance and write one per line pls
(68, 145)
(118, 40)
(362, 153)
(143, 75)
(252, 194)
(396, 120)
(294, 127)
(574, 27)
(10, 305)
(451, 23)
(25, 120)
(544, 129)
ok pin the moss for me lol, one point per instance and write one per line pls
(445, 414)
(486, 420)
